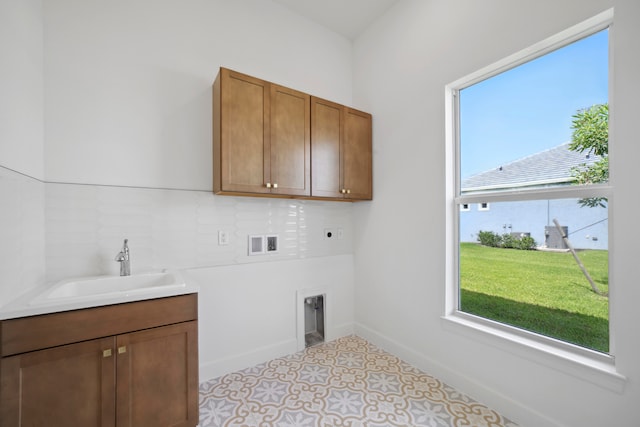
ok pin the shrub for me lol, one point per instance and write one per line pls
(510, 242)
(507, 241)
(489, 238)
(527, 243)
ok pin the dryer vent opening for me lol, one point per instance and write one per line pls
(313, 320)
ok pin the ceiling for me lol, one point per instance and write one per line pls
(346, 17)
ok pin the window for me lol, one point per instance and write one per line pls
(515, 136)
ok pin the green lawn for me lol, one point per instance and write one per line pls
(544, 292)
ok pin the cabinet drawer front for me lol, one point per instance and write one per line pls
(49, 330)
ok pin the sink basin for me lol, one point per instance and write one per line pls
(103, 286)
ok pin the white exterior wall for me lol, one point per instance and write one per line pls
(402, 64)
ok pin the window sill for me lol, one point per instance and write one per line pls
(587, 365)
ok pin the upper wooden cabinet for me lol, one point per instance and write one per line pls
(290, 142)
(70, 385)
(340, 151)
(240, 133)
(269, 140)
(357, 155)
(261, 137)
(328, 121)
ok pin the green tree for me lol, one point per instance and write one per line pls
(591, 134)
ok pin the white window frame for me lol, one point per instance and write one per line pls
(465, 207)
(579, 361)
(484, 206)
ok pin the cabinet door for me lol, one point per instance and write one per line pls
(326, 132)
(242, 139)
(356, 157)
(290, 142)
(71, 385)
(157, 377)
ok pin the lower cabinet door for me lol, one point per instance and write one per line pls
(157, 377)
(71, 385)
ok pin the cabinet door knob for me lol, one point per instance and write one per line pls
(348, 191)
(342, 191)
(122, 349)
(106, 353)
(275, 185)
(268, 185)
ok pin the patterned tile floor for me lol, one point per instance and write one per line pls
(344, 383)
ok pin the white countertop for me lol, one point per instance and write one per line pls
(34, 302)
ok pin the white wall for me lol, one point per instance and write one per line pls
(86, 224)
(401, 65)
(22, 249)
(128, 84)
(127, 102)
(21, 86)
(21, 147)
(247, 304)
(122, 92)
(243, 323)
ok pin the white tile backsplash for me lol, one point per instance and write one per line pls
(86, 224)
(22, 246)
(51, 231)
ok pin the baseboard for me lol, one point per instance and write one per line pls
(216, 368)
(343, 330)
(512, 409)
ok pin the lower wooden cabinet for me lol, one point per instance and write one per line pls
(146, 377)
(154, 384)
(72, 385)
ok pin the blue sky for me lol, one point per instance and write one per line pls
(529, 108)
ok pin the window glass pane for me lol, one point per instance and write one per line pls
(515, 127)
(516, 268)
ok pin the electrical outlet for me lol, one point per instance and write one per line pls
(272, 243)
(340, 233)
(223, 238)
(256, 245)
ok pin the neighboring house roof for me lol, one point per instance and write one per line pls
(549, 167)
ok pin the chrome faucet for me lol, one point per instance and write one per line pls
(124, 260)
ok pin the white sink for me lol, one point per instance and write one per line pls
(105, 286)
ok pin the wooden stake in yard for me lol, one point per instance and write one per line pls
(575, 256)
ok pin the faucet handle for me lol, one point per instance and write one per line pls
(124, 260)
(124, 252)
